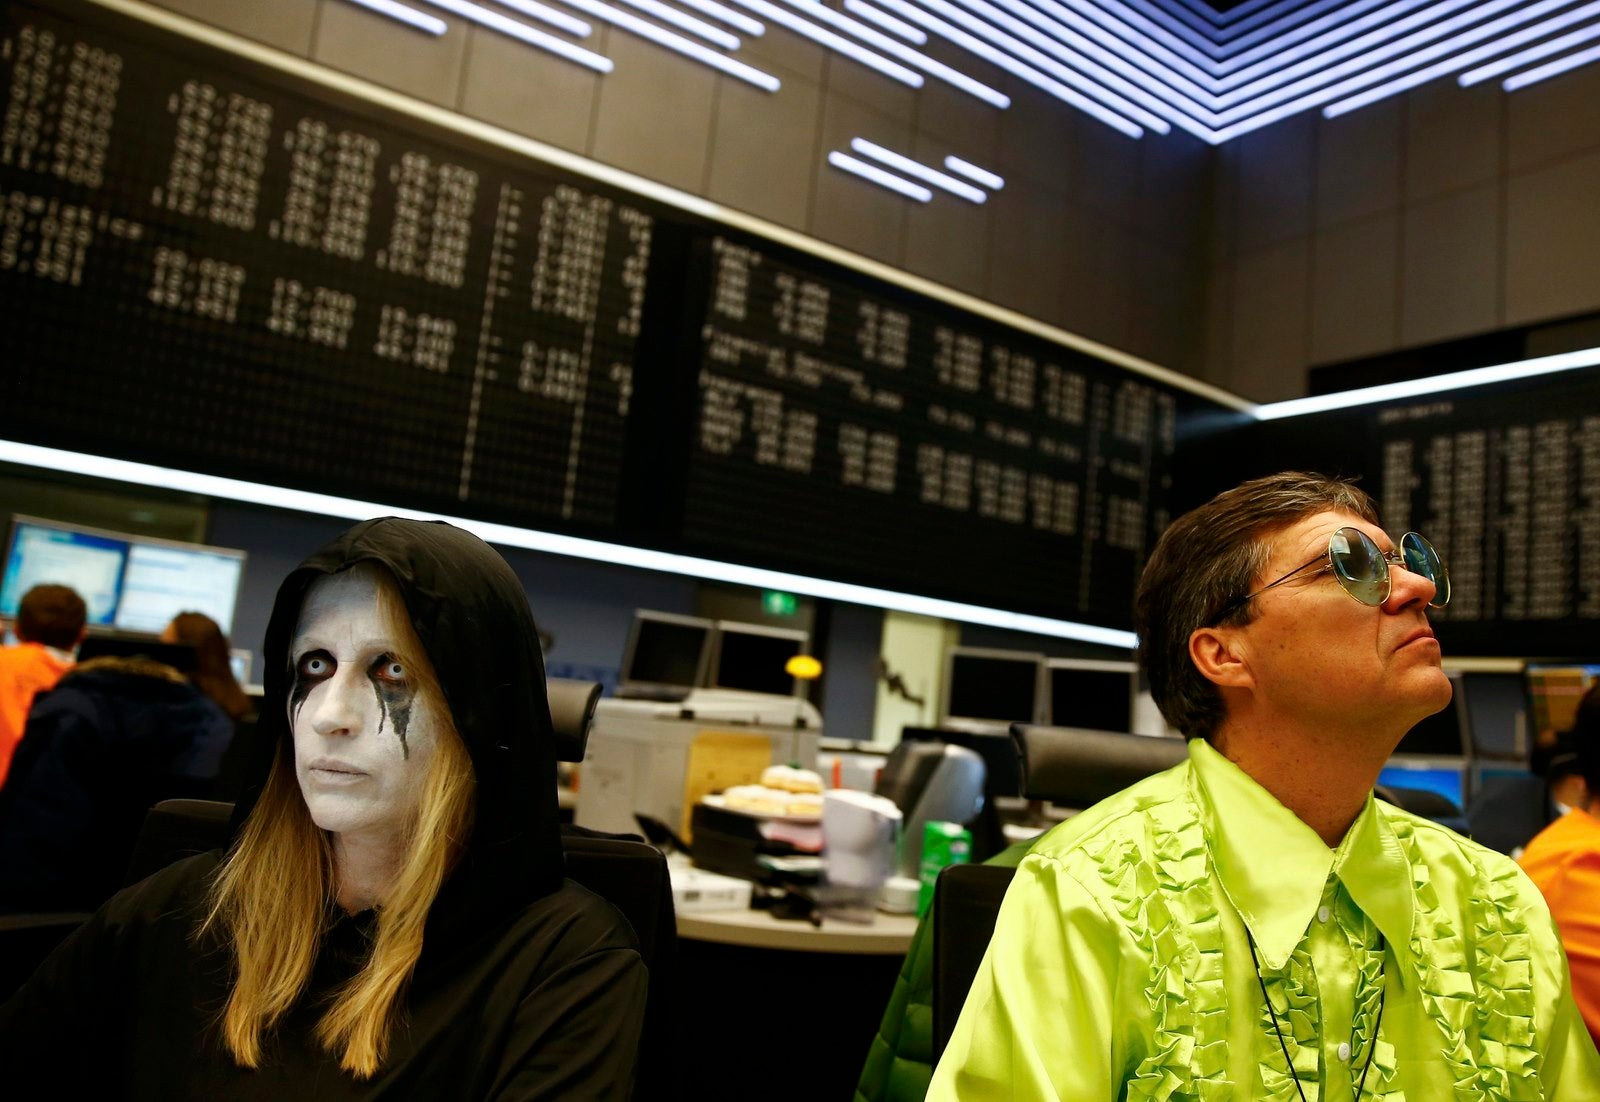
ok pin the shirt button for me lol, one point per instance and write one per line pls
(1323, 914)
(1344, 1051)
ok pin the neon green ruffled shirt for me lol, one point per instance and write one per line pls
(1121, 963)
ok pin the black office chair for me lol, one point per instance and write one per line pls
(572, 705)
(1068, 766)
(1427, 803)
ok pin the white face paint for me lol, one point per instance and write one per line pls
(362, 737)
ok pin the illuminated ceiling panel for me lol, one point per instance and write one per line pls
(1135, 65)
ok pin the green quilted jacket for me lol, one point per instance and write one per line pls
(900, 1063)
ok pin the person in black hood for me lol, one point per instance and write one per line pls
(391, 919)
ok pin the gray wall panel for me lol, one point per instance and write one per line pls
(1354, 289)
(1450, 266)
(1553, 241)
(380, 50)
(654, 115)
(554, 103)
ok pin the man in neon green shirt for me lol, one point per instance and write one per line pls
(1252, 924)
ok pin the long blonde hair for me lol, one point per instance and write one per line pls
(272, 892)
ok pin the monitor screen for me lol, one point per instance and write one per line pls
(1553, 695)
(751, 659)
(1443, 734)
(1087, 693)
(664, 649)
(992, 685)
(1498, 714)
(1448, 779)
(42, 553)
(165, 579)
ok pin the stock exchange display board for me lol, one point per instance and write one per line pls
(215, 265)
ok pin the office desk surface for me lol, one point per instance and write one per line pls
(890, 935)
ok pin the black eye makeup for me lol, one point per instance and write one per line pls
(312, 667)
(395, 695)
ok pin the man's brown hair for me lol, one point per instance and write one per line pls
(53, 615)
(1204, 562)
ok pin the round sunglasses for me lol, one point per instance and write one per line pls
(1362, 569)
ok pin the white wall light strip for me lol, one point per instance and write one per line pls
(1014, 67)
(920, 171)
(1371, 77)
(1034, 57)
(525, 34)
(878, 176)
(1169, 70)
(1123, 34)
(409, 16)
(1554, 68)
(1287, 29)
(1364, 69)
(1114, 91)
(1456, 61)
(1518, 60)
(1268, 43)
(1207, 51)
(973, 172)
(1320, 63)
(1174, 109)
(886, 21)
(735, 19)
(276, 497)
(714, 35)
(1437, 384)
(824, 37)
(1342, 25)
(542, 12)
(661, 37)
(905, 53)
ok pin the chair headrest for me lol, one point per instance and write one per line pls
(572, 705)
(1074, 767)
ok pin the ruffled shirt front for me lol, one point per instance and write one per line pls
(1407, 958)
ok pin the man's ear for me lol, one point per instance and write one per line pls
(1218, 654)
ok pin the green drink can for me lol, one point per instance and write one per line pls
(942, 844)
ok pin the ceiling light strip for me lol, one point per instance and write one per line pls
(886, 21)
(1435, 384)
(824, 37)
(409, 16)
(550, 543)
(1035, 57)
(525, 34)
(1359, 72)
(1554, 68)
(1518, 60)
(1102, 60)
(545, 14)
(973, 172)
(735, 19)
(1458, 61)
(1349, 38)
(878, 176)
(1130, 18)
(1332, 27)
(1287, 26)
(1014, 67)
(1095, 19)
(672, 41)
(684, 22)
(900, 50)
(917, 169)
(1203, 44)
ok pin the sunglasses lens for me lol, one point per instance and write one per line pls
(1359, 566)
(1422, 558)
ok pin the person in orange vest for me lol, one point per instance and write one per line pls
(1564, 860)
(50, 625)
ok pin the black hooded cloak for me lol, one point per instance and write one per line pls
(528, 986)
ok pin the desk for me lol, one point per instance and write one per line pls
(755, 991)
(890, 935)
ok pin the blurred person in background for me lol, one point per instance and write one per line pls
(115, 736)
(50, 625)
(213, 672)
(1564, 860)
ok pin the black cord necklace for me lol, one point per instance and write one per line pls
(1372, 1048)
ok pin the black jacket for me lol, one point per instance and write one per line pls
(528, 987)
(113, 737)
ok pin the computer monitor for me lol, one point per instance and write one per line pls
(1554, 691)
(43, 552)
(163, 579)
(665, 652)
(1497, 711)
(1448, 778)
(751, 658)
(1091, 693)
(984, 686)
